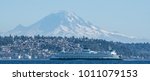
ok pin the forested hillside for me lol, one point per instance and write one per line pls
(41, 47)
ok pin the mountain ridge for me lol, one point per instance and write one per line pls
(64, 23)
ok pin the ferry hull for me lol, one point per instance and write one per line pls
(84, 57)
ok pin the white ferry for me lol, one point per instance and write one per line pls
(86, 55)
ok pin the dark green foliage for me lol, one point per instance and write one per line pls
(57, 44)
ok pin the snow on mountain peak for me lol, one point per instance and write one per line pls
(64, 23)
(54, 20)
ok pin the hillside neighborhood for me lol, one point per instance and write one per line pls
(42, 47)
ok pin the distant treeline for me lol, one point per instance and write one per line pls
(57, 44)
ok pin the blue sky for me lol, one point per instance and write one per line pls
(131, 17)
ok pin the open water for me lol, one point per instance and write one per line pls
(74, 61)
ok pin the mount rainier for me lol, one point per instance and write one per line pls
(68, 24)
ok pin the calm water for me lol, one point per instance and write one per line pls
(73, 62)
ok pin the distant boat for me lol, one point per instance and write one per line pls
(86, 55)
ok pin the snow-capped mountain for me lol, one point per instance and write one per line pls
(67, 24)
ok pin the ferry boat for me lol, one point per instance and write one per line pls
(86, 55)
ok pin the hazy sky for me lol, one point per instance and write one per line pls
(131, 17)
